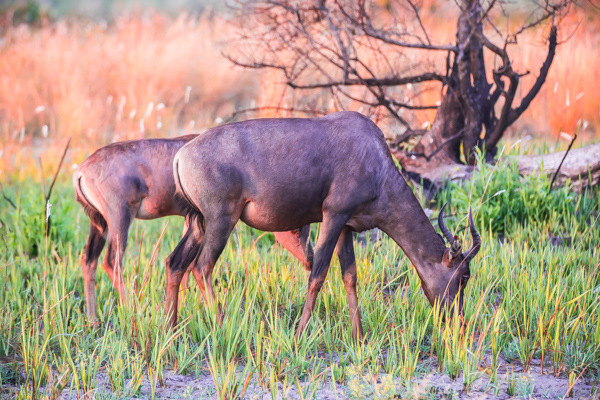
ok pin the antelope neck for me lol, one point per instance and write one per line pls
(406, 223)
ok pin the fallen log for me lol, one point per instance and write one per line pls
(581, 166)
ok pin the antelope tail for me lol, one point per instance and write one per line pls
(184, 202)
(92, 212)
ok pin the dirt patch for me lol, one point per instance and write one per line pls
(531, 385)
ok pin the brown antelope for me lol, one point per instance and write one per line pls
(281, 174)
(134, 179)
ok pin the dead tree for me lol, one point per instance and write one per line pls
(377, 56)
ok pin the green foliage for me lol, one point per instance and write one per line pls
(23, 12)
(368, 386)
(502, 198)
(528, 299)
(24, 227)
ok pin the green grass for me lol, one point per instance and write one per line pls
(528, 301)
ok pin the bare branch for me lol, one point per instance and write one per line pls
(536, 22)
(391, 81)
(411, 107)
(503, 121)
(539, 82)
(344, 56)
(368, 29)
(562, 161)
(418, 16)
(407, 135)
(253, 64)
(374, 33)
(491, 46)
(62, 159)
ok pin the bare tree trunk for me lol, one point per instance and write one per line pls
(461, 115)
(441, 144)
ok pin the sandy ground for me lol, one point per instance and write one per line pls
(532, 385)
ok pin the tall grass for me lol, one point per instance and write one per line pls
(532, 302)
(140, 76)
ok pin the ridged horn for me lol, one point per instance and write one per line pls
(445, 231)
(472, 252)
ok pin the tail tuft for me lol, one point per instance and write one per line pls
(183, 204)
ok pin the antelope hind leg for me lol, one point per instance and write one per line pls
(345, 252)
(215, 238)
(178, 264)
(89, 263)
(184, 285)
(117, 242)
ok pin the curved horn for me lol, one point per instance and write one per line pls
(447, 234)
(472, 252)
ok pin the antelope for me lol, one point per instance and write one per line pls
(134, 179)
(282, 174)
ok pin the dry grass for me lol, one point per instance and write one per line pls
(148, 76)
(571, 92)
(139, 77)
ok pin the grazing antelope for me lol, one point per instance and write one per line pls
(134, 179)
(282, 174)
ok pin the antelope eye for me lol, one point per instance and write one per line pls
(465, 278)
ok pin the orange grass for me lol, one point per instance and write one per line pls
(149, 76)
(572, 91)
(140, 77)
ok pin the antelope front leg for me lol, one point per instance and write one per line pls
(297, 242)
(330, 231)
(345, 252)
(309, 253)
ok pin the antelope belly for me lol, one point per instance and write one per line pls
(277, 219)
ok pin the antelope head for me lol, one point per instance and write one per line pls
(453, 273)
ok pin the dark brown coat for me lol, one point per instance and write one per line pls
(134, 179)
(282, 174)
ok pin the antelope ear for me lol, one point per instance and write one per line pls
(455, 248)
(447, 260)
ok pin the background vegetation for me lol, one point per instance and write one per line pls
(143, 73)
